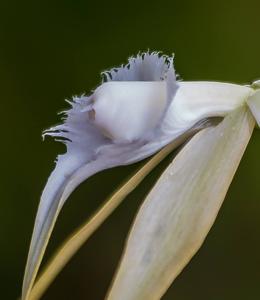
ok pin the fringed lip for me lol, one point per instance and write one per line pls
(145, 85)
(143, 67)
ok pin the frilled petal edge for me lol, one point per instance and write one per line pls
(88, 152)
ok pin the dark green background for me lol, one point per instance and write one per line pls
(51, 50)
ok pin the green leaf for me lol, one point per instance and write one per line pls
(175, 218)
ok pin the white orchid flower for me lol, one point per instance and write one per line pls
(136, 111)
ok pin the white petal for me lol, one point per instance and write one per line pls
(179, 211)
(127, 111)
(195, 101)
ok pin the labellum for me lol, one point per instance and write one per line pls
(136, 111)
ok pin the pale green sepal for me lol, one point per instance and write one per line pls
(175, 218)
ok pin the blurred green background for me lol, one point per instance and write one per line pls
(51, 50)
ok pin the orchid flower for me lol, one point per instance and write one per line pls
(138, 109)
